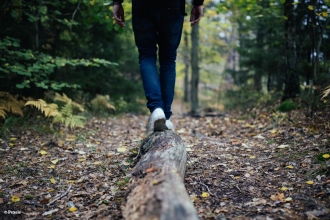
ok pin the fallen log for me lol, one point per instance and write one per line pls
(157, 188)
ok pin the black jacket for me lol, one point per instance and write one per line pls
(165, 3)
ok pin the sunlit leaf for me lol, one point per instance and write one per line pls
(283, 188)
(324, 14)
(54, 161)
(290, 167)
(311, 7)
(288, 199)
(205, 194)
(273, 131)
(15, 199)
(310, 182)
(326, 156)
(52, 180)
(43, 152)
(122, 149)
(52, 166)
(72, 209)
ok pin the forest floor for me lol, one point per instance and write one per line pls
(251, 165)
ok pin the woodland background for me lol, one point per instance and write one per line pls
(251, 105)
(243, 54)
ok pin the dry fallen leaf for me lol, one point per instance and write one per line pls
(54, 161)
(150, 169)
(15, 199)
(43, 152)
(326, 156)
(288, 199)
(122, 149)
(72, 209)
(273, 131)
(289, 167)
(278, 197)
(310, 182)
(52, 180)
(282, 146)
(205, 194)
(50, 212)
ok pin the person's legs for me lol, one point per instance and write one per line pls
(146, 39)
(170, 30)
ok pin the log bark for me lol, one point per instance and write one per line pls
(157, 187)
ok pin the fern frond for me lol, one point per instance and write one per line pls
(61, 98)
(326, 92)
(47, 109)
(67, 109)
(64, 98)
(39, 104)
(2, 113)
(9, 103)
(74, 121)
(59, 119)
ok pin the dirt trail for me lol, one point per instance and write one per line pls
(252, 166)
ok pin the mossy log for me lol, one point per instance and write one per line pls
(157, 188)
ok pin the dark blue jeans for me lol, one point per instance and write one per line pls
(158, 28)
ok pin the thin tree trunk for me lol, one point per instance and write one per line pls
(186, 70)
(292, 88)
(194, 69)
(257, 78)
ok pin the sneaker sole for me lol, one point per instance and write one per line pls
(160, 125)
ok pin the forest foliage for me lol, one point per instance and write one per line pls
(249, 52)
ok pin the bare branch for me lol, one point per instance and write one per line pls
(60, 196)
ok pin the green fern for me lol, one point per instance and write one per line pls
(67, 118)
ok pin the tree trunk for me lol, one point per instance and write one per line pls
(186, 69)
(157, 187)
(257, 78)
(292, 88)
(194, 69)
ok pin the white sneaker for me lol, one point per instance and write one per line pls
(169, 125)
(157, 121)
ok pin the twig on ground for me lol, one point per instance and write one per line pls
(238, 188)
(61, 196)
(206, 188)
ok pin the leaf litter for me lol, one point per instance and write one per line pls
(238, 168)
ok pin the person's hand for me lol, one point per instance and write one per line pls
(118, 13)
(196, 14)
